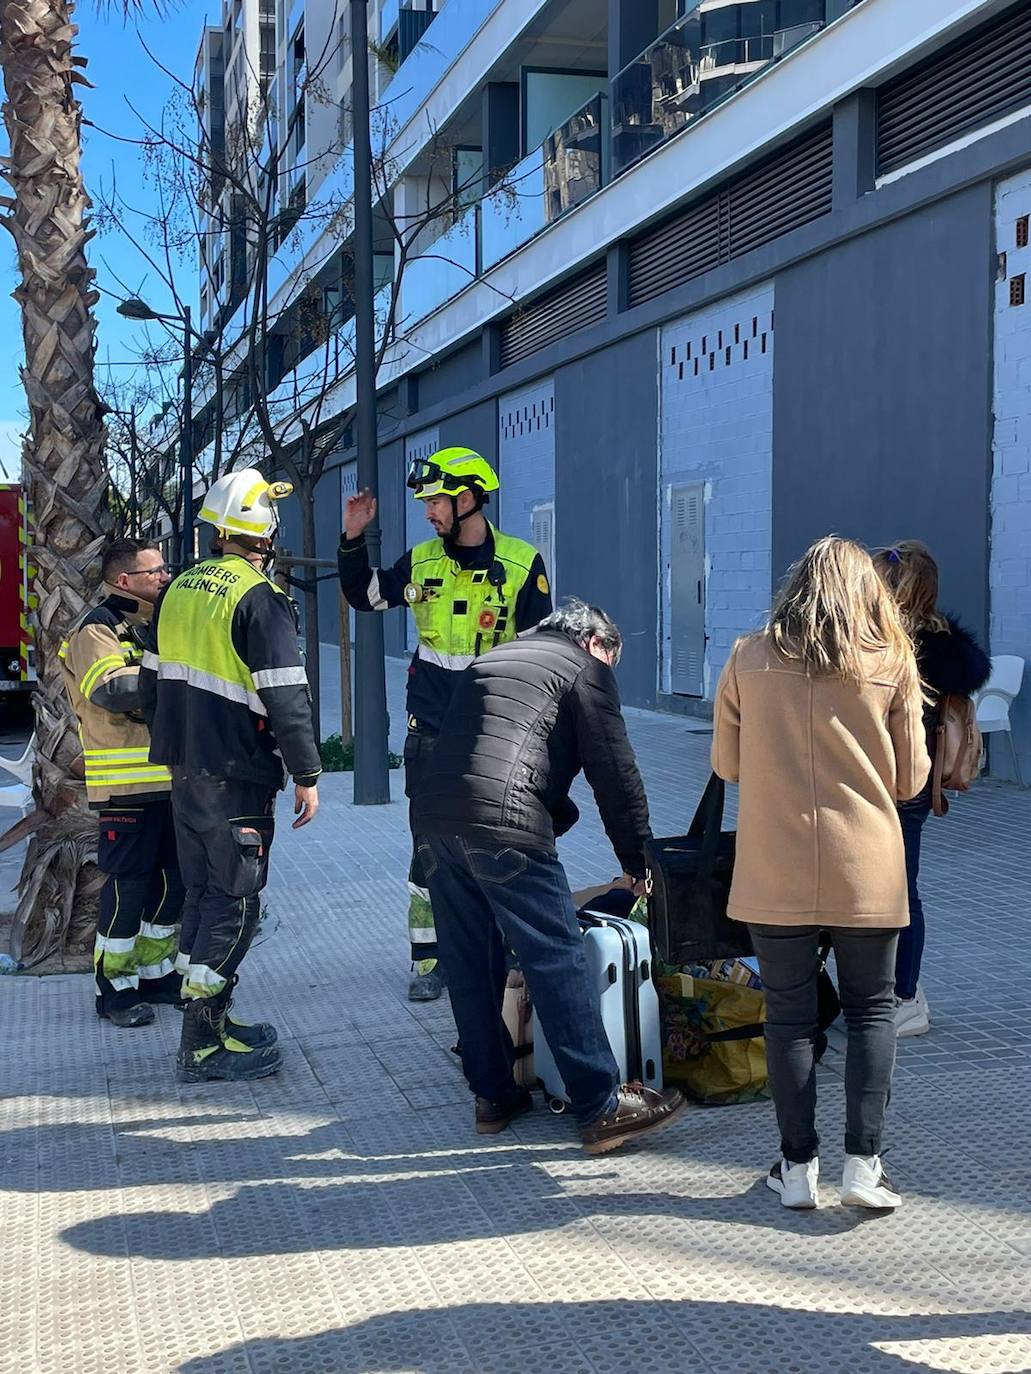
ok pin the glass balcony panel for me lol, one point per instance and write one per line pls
(443, 269)
(702, 59)
(569, 166)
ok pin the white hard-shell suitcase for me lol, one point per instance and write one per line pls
(620, 959)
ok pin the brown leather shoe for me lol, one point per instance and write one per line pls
(492, 1117)
(638, 1110)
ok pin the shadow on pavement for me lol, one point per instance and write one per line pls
(365, 1213)
(666, 1336)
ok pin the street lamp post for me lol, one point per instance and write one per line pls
(186, 442)
(371, 771)
(135, 309)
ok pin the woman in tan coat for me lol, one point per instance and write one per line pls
(819, 719)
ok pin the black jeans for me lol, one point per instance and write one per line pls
(789, 960)
(224, 828)
(913, 817)
(482, 892)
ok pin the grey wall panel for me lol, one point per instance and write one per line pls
(476, 427)
(606, 427)
(882, 393)
(392, 523)
(451, 375)
(328, 522)
(526, 425)
(419, 445)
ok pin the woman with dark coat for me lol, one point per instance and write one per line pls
(951, 663)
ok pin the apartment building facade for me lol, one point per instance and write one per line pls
(725, 275)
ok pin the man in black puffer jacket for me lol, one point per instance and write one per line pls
(523, 722)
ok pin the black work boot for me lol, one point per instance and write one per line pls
(256, 1035)
(205, 1056)
(123, 1007)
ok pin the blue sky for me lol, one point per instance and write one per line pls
(121, 72)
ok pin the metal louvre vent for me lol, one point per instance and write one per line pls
(789, 189)
(982, 77)
(572, 306)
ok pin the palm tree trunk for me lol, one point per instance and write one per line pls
(63, 456)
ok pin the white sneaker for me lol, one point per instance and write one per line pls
(922, 999)
(910, 1017)
(796, 1183)
(865, 1184)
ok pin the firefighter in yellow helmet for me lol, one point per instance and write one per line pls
(469, 588)
(230, 711)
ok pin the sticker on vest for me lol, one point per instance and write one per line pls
(488, 619)
(414, 593)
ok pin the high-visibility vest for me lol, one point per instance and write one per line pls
(195, 629)
(460, 613)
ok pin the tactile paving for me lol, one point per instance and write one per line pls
(344, 1218)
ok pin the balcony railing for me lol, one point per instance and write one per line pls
(569, 166)
(686, 72)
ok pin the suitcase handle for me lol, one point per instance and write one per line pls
(707, 824)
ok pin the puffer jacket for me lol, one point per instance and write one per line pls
(523, 721)
(951, 663)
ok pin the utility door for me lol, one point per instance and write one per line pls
(687, 589)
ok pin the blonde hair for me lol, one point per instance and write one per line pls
(910, 573)
(833, 609)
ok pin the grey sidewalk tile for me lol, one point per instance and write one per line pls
(344, 1216)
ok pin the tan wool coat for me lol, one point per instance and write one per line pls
(821, 764)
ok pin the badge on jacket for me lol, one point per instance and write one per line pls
(488, 619)
(414, 593)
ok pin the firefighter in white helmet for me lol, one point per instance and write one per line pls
(227, 695)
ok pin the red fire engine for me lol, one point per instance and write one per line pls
(17, 598)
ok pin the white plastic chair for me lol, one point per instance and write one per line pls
(995, 698)
(21, 768)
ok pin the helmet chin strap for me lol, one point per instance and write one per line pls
(451, 538)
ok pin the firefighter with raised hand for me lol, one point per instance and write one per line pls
(231, 716)
(141, 900)
(470, 588)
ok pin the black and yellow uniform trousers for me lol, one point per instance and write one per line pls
(140, 905)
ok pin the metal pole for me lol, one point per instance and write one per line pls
(371, 771)
(186, 443)
(135, 523)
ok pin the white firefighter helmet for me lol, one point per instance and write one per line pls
(243, 502)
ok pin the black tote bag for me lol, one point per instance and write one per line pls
(689, 883)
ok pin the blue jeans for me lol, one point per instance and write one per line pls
(789, 959)
(913, 816)
(486, 896)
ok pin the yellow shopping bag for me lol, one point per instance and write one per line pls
(712, 1039)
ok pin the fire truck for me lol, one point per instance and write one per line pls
(17, 597)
